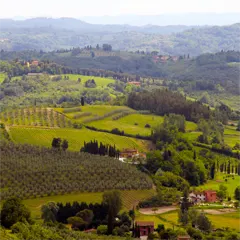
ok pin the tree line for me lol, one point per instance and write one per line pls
(94, 147)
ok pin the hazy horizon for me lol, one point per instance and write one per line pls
(96, 8)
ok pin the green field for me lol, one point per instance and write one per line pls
(230, 220)
(129, 198)
(170, 219)
(101, 82)
(231, 135)
(231, 184)
(155, 219)
(75, 137)
(131, 124)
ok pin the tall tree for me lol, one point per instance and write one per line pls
(183, 212)
(14, 211)
(212, 171)
(82, 101)
(64, 145)
(56, 143)
(49, 212)
(114, 202)
(237, 193)
(238, 126)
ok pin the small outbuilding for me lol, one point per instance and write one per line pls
(144, 227)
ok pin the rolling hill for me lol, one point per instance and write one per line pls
(52, 34)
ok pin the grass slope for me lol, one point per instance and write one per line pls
(101, 82)
(231, 135)
(75, 137)
(129, 198)
(131, 124)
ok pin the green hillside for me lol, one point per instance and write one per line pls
(101, 82)
(108, 117)
(75, 137)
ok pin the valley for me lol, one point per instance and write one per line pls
(118, 131)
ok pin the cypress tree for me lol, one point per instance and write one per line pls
(229, 167)
(212, 171)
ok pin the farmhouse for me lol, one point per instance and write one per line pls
(135, 83)
(34, 74)
(210, 196)
(128, 153)
(186, 237)
(164, 58)
(205, 196)
(145, 227)
(34, 63)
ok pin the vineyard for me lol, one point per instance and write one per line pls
(42, 117)
(31, 172)
(90, 113)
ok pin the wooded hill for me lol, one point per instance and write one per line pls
(216, 73)
(47, 35)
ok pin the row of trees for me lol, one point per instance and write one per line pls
(35, 117)
(84, 216)
(94, 147)
(30, 172)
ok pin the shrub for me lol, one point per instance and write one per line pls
(102, 230)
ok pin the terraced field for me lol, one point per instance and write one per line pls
(109, 117)
(94, 111)
(76, 137)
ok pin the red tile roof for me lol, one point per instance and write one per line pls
(144, 223)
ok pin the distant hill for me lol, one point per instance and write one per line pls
(49, 34)
(187, 19)
(75, 24)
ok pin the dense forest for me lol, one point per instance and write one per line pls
(163, 102)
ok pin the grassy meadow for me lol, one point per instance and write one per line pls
(75, 137)
(100, 81)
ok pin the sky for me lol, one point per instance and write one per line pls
(80, 8)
